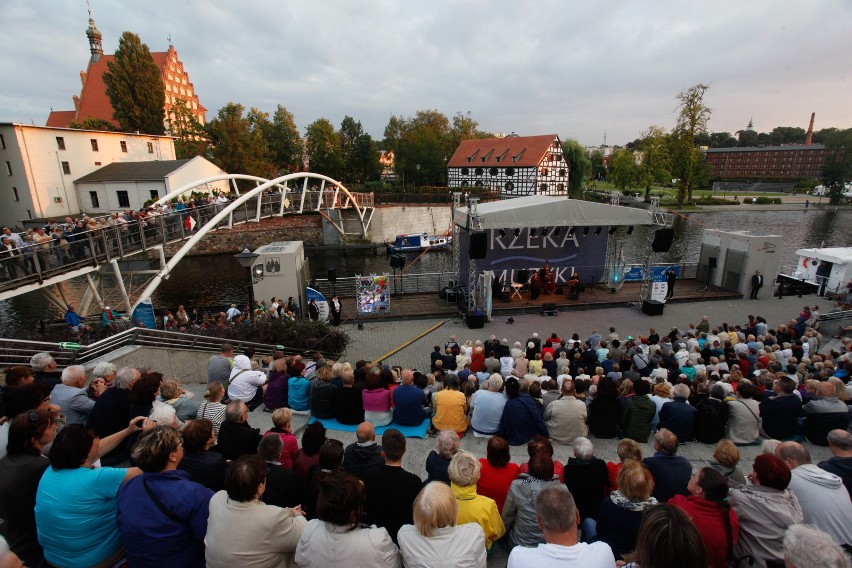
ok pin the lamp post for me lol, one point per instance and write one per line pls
(417, 179)
(246, 260)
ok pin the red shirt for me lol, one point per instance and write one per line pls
(477, 362)
(558, 470)
(494, 482)
(708, 519)
(612, 470)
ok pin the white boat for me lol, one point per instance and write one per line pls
(824, 271)
(418, 242)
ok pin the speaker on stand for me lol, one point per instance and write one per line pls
(397, 262)
(332, 278)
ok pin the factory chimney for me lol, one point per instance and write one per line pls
(810, 135)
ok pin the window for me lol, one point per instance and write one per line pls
(493, 171)
(562, 172)
(150, 147)
(510, 186)
(96, 203)
(66, 168)
(154, 194)
(2, 142)
(94, 145)
(29, 214)
(123, 146)
(60, 142)
(510, 172)
(543, 187)
(97, 163)
(123, 199)
(560, 187)
(8, 167)
(478, 171)
(464, 171)
(544, 171)
(15, 193)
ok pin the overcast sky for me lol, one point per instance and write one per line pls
(528, 66)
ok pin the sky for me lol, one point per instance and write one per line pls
(577, 69)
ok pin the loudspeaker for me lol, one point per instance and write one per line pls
(397, 261)
(548, 309)
(478, 245)
(475, 322)
(663, 240)
(653, 307)
(711, 262)
(523, 276)
(332, 275)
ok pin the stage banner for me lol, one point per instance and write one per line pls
(635, 273)
(143, 315)
(563, 253)
(371, 294)
(322, 303)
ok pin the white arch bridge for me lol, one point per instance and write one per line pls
(93, 253)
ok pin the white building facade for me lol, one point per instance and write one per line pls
(38, 166)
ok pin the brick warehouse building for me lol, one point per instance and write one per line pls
(767, 162)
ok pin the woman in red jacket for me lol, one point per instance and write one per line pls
(707, 506)
(477, 360)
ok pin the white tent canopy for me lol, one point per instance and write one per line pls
(552, 211)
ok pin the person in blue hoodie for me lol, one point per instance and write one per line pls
(522, 417)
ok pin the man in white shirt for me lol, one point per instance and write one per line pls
(558, 517)
(232, 312)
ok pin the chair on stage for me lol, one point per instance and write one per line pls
(522, 286)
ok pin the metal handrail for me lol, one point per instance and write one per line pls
(19, 352)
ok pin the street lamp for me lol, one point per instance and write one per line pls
(417, 181)
(246, 260)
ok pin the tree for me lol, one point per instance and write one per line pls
(237, 142)
(90, 123)
(284, 141)
(427, 141)
(134, 86)
(655, 166)
(837, 171)
(623, 170)
(598, 167)
(692, 119)
(579, 165)
(722, 140)
(191, 137)
(323, 148)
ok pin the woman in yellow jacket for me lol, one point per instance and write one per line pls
(464, 472)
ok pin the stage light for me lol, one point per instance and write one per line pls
(517, 232)
(502, 233)
(612, 230)
(585, 231)
(630, 230)
(556, 231)
(571, 232)
(532, 232)
(598, 231)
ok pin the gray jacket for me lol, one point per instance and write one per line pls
(764, 514)
(824, 501)
(519, 510)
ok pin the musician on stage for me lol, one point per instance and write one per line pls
(574, 287)
(535, 286)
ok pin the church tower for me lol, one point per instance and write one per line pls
(95, 43)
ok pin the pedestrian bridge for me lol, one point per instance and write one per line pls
(97, 251)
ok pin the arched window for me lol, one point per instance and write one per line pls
(510, 186)
(479, 171)
(510, 171)
(560, 187)
(493, 171)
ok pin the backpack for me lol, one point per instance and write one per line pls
(710, 420)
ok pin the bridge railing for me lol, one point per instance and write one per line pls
(19, 352)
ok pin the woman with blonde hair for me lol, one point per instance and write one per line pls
(213, 409)
(536, 365)
(438, 460)
(435, 538)
(627, 450)
(726, 456)
(173, 394)
(281, 419)
(464, 472)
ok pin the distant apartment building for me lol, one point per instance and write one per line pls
(513, 165)
(39, 165)
(93, 101)
(767, 162)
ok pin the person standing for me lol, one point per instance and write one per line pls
(671, 278)
(335, 306)
(756, 284)
(313, 310)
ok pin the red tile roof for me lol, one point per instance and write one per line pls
(529, 151)
(60, 118)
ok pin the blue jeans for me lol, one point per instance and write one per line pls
(589, 529)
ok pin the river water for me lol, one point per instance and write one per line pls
(219, 280)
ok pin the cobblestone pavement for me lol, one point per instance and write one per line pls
(379, 338)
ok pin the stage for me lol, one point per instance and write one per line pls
(427, 305)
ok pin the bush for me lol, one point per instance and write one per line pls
(305, 335)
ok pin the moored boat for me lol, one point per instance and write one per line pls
(824, 271)
(416, 242)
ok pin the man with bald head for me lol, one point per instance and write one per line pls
(409, 402)
(840, 464)
(364, 457)
(71, 395)
(824, 500)
(823, 414)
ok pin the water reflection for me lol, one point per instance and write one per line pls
(220, 280)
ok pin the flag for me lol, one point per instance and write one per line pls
(189, 223)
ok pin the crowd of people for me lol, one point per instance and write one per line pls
(126, 466)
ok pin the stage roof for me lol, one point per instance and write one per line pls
(552, 211)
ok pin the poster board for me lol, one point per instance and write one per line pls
(371, 294)
(322, 303)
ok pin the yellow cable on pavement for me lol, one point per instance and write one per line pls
(399, 348)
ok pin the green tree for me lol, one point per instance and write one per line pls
(655, 166)
(285, 143)
(748, 138)
(426, 140)
(837, 171)
(191, 137)
(579, 165)
(134, 86)
(623, 170)
(323, 148)
(722, 140)
(692, 119)
(237, 142)
(90, 123)
(598, 166)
